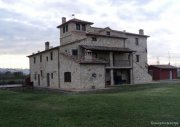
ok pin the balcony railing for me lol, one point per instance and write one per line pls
(116, 63)
(121, 63)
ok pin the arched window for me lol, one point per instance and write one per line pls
(67, 76)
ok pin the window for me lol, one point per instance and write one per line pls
(40, 58)
(83, 27)
(137, 41)
(74, 52)
(77, 26)
(47, 58)
(51, 54)
(51, 75)
(34, 60)
(108, 33)
(94, 39)
(67, 76)
(137, 58)
(66, 28)
(41, 72)
(34, 76)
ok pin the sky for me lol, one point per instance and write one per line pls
(26, 24)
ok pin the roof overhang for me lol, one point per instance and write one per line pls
(104, 48)
(163, 66)
(43, 51)
(77, 21)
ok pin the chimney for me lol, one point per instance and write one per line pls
(63, 20)
(46, 45)
(141, 31)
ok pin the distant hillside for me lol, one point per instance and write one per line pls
(25, 71)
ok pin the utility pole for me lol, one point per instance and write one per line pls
(157, 60)
(169, 58)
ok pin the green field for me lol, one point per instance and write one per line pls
(125, 106)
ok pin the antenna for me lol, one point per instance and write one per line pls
(157, 60)
(73, 15)
(169, 58)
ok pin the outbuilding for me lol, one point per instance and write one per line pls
(162, 72)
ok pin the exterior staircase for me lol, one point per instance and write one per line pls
(141, 74)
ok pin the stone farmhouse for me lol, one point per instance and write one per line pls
(91, 58)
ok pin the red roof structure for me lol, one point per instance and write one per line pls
(162, 72)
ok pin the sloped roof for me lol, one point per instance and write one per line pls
(163, 66)
(102, 35)
(43, 51)
(122, 32)
(75, 20)
(106, 28)
(104, 48)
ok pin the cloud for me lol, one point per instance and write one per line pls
(19, 60)
(26, 25)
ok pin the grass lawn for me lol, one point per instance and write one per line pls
(125, 106)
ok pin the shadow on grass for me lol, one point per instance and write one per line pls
(115, 89)
(126, 88)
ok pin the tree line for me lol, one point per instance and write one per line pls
(12, 77)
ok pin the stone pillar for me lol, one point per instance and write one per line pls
(111, 59)
(131, 59)
(131, 77)
(131, 71)
(112, 77)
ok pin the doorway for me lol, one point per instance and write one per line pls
(121, 76)
(108, 77)
(48, 79)
(39, 79)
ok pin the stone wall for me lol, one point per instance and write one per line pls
(140, 49)
(140, 75)
(68, 65)
(81, 74)
(50, 66)
(101, 41)
(72, 34)
(92, 76)
(140, 72)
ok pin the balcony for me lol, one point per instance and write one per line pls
(121, 63)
